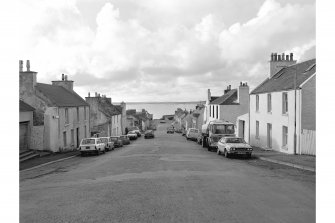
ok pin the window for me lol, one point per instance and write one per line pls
(257, 103)
(257, 129)
(269, 103)
(72, 137)
(78, 114)
(210, 111)
(64, 138)
(217, 112)
(213, 111)
(285, 103)
(285, 133)
(85, 113)
(66, 115)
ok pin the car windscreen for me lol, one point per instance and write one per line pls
(235, 140)
(223, 129)
(114, 138)
(88, 141)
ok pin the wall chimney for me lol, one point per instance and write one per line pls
(209, 95)
(279, 63)
(28, 65)
(20, 65)
(64, 83)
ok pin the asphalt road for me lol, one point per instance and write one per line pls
(166, 179)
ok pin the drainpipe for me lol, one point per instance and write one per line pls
(295, 112)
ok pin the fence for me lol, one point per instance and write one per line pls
(308, 145)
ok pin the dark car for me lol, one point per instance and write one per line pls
(149, 134)
(132, 135)
(125, 139)
(170, 130)
(117, 141)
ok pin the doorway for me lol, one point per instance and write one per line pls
(241, 129)
(77, 138)
(269, 135)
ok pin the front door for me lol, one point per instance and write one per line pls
(269, 135)
(78, 138)
(24, 140)
(241, 129)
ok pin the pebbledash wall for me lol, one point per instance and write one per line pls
(276, 119)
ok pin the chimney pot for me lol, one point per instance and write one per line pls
(241, 83)
(278, 57)
(20, 65)
(287, 57)
(283, 56)
(272, 55)
(275, 57)
(96, 94)
(28, 65)
(63, 78)
(291, 56)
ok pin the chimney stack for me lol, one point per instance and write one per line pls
(20, 65)
(89, 95)
(209, 95)
(65, 77)
(28, 65)
(279, 62)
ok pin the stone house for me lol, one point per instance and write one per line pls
(106, 118)
(233, 103)
(61, 116)
(198, 117)
(25, 125)
(282, 107)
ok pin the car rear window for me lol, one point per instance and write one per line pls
(88, 141)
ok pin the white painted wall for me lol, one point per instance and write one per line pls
(276, 118)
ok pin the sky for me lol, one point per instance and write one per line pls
(162, 50)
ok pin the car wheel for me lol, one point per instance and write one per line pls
(226, 154)
(82, 154)
(249, 155)
(98, 152)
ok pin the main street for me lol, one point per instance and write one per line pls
(166, 179)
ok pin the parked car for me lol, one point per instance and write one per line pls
(137, 131)
(132, 135)
(192, 134)
(149, 134)
(170, 130)
(109, 144)
(91, 145)
(125, 139)
(117, 141)
(233, 145)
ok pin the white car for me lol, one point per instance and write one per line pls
(233, 145)
(92, 145)
(132, 135)
(192, 134)
(109, 144)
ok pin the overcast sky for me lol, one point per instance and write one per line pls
(162, 50)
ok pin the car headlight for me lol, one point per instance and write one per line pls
(232, 148)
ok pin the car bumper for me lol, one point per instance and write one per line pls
(234, 152)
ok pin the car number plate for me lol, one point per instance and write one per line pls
(87, 147)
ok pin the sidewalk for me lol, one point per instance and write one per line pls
(46, 157)
(304, 162)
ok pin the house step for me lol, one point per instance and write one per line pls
(29, 157)
(26, 153)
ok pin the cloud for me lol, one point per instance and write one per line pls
(176, 57)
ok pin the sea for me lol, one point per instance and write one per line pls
(158, 109)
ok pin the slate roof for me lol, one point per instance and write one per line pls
(60, 96)
(213, 98)
(226, 99)
(25, 107)
(118, 107)
(108, 108)
(283, 80)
